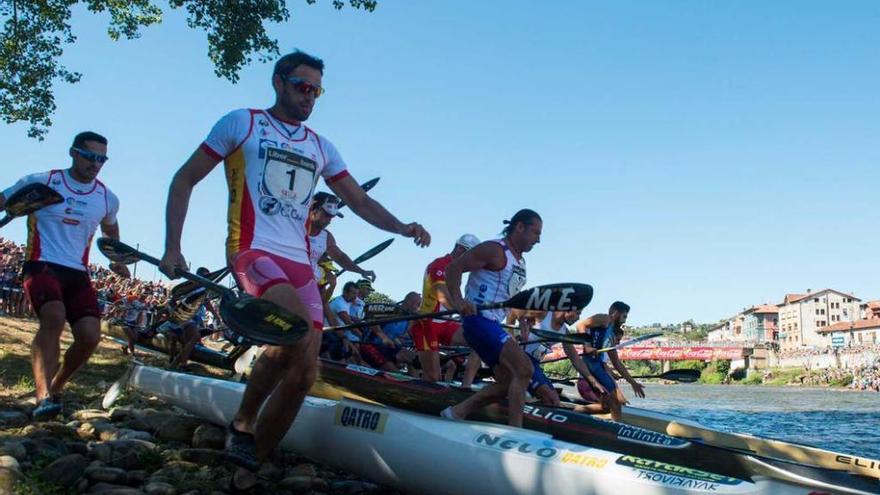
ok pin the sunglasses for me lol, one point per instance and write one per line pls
(305, 87)
(91, 155)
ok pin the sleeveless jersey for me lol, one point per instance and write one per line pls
(539, 349)
(62, 233)
(434, 274)
(188, 306)
(317, 248)
(489, 286)
(272, 168)
(600, 338)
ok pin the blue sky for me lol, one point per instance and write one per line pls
(691, 158)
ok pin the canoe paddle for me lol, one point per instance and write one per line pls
(256, 319)
(631, 342)
(188, 286)
(552, 297)
(369, 254)
(29, 199)
(366, 186)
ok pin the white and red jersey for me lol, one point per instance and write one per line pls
(490, 286)
(62, 233)
(317, 247)
(272, 168)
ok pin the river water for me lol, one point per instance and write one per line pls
(832, 419)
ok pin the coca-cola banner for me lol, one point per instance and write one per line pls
(646, 353)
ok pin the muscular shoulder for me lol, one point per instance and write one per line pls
(230, 131)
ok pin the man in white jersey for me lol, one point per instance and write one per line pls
(273, 162)
(56, 265)
(497, 271)
(324, 207)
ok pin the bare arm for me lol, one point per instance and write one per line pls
(191, 173)
(595, 321)
(343, 260)
(375, 214)
(638, 389)
(112, 231)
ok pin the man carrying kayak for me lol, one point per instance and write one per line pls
(497, 271)
(273, 162)
(429, 334)
(56, 267)
(604, 330)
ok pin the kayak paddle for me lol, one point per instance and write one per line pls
(256, 319)
(29, 199)
(188, 286)
(369, 254)
(366, 186)
(552, 297)
(631, 342)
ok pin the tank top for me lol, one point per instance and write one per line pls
(188, 306)
(272, 168)
(539, 350)
(490, 286)
(62, 233)
(317, 248)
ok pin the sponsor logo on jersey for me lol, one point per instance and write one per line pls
(652, 467)
(516, 446)
(360, 418)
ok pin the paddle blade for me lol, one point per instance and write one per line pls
(117, 251)
(263, 321)
(366, 186)
(553, 297)
(31, 198)
(373, 252)
(188, 286)
(684, 376)
(567, 338)
(381, 310)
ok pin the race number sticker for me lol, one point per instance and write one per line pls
(517, 280)
(288, 176)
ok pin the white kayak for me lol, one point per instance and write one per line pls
(429, 455)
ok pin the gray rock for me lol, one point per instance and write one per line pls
(90, 415)
(159, 488)
(137, 477)
(14, 449)
(87, 431)
(173, 428)
(107, 474)
(302, 470)
(12, 418)
(50, 448)
(209, 436)
(9, 462)
(205, 457)
(123, 413)
(8, 479)
(73, 424)
(124, 454)
(111, 489)
(127, 434)
(77, 447)
(66, 470)
(298, 483)
(269, 471)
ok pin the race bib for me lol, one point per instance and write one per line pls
(517, 280)
(288, 176)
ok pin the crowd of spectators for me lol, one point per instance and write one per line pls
(867, 377)
(818, 351)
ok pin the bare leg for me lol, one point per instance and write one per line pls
(471, 367)
(614, 406)
(520, 367)
(548, 396)
(268, 370)
(430, 361)
(494, 392)
(86, 336)
(449, 370)
(191, 337)
(46, 348)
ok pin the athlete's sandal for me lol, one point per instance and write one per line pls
(240, 448)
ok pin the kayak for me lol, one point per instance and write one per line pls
(777, 449)
(340, 381)
(161, 344)
(430, 455)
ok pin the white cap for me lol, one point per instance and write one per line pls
(467, 241)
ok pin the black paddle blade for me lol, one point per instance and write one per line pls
(553, 297)
(373, 252)
(684, 376)
(262, 321)
(31, 198)
(117, 251)
(381, 310)
(366, 186)
(188, 286)
(567, 338)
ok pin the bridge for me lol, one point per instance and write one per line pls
(680, 352)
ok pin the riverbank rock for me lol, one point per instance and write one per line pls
(208, 436)
(12, 418)
(66, 470)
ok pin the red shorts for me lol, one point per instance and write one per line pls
(256, 271)
(377, 355)
(44, 282)
(429, 335)
(587, 392)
